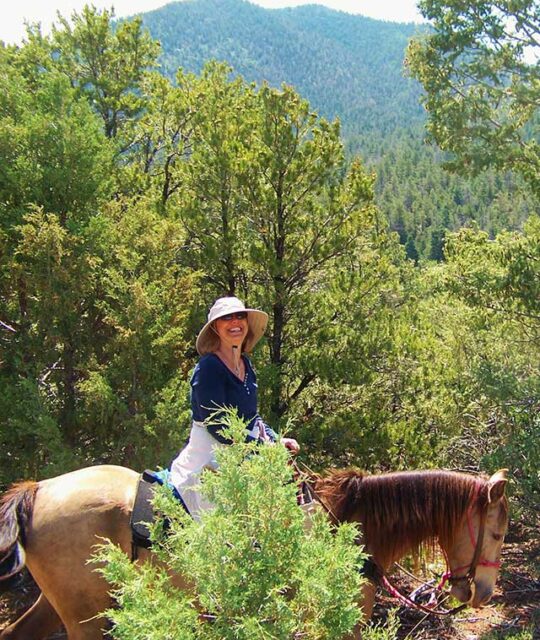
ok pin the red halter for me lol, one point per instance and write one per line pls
(448, 575)
(477, 561)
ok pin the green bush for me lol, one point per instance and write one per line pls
(256, 570)
(520, 452)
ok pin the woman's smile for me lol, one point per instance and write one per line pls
(232, 331)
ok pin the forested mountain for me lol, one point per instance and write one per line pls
(350, 67)
(345, 65)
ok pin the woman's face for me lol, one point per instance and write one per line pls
(232, 329)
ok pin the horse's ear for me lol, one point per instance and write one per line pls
(497, 486)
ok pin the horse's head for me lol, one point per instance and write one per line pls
(474, 557)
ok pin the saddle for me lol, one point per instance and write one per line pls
(143, 513)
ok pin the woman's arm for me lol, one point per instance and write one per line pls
(208, 397)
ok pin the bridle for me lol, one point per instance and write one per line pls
(477, 560)
(381, 578)
(448, 575)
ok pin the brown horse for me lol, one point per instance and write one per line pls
(58, 521)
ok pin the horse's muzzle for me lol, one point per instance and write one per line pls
(476, 594)
(482, 594)
(464, 591)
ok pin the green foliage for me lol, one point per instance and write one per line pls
(252, 570)
(345, 65)
(94, 303)
(157, 142)
(388, 631)
(221, 186)
(350, 67)
(422, 201)
(520, 452)
(511, 634)
(54, 153)
(501, 275)
(116, 234)
(105, 65)
(30, 439)
(498, 280)
(275, 214)
(481, 78)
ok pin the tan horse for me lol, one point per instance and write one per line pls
(58, 521)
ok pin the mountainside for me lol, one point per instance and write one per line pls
(345, 65)
(350, 67)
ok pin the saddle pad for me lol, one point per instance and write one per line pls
(142, 514)
(143, 511)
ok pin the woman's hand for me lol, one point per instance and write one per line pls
(291, 444)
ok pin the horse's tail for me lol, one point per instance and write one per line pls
(16, 507)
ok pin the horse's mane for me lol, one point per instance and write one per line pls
(399, 512)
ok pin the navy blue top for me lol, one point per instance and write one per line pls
(215, 386)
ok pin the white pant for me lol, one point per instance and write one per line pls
(197, 455)
(186, 469)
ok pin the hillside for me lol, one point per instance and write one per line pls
(345, 65)
(351, 67)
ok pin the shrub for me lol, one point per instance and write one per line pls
(255, 569)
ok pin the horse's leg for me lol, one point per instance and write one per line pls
(37, 623)
(366, 602)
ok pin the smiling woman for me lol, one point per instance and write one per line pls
(223, 378)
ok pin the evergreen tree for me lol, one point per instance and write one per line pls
(105, 64)
(274, 214)
(481, 82)
(90, 289)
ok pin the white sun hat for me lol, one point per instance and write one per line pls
(208, 340)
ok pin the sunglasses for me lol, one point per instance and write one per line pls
(240, 315)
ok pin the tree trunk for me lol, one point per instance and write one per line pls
(278, 406)
(228, 259)
(67, 410)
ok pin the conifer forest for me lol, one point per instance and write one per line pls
(374, 187)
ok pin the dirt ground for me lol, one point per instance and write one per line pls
(515, 607)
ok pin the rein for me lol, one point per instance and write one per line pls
(381, 578)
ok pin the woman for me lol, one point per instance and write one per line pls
(223, 378)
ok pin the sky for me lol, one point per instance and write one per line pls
(14, 13)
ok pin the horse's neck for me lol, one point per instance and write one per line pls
(394, 520)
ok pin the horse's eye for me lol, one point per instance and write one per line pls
(497, 536)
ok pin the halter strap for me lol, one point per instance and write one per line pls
(477, 560)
